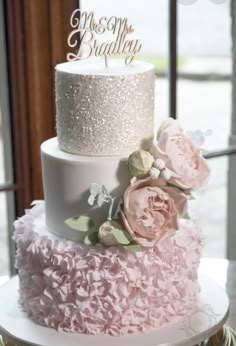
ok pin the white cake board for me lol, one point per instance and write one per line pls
(204, 320)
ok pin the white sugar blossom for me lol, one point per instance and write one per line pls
(159, 164)
(100, 195)
(198, 137)
(166, 174)
(154, 173)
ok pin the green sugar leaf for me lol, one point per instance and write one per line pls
(133, 247)
(91, 239)
(80, 223)
(121, 236)
(191, 196)
(186, 216)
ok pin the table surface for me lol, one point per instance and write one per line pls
(224, 273)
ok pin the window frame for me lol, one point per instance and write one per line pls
(173, 76)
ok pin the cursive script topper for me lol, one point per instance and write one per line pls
(88, 28)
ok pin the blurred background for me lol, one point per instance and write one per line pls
(197, 90)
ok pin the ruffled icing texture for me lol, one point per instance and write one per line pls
(105, 290)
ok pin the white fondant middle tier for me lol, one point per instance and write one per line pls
(67, 179)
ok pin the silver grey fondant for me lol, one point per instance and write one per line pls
(104, 111)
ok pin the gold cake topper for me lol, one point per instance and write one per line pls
(89, 28)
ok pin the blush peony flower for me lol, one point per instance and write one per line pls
(152, 211)
(188, 168)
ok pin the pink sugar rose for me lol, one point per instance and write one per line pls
(152, 211)
(188, 168)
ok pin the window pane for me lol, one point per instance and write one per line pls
(204, 29)
(6, 171)
(206, 105)
(5, 125)
(4, 236)
(210, 209)
(2, 171)
(204, 47)
(161, 99)
(149, 23)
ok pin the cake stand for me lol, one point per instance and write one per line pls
(202, 321)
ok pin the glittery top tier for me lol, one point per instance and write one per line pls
(104, 111)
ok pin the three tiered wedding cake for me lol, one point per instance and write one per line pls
(138, 267)
(109, 252)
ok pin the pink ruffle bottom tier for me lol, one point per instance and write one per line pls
(104, 290)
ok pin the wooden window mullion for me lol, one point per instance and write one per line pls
(14, 18)
(172, 59)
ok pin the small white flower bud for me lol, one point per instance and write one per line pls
(166, 174)
(159, 164)
(154, 173)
